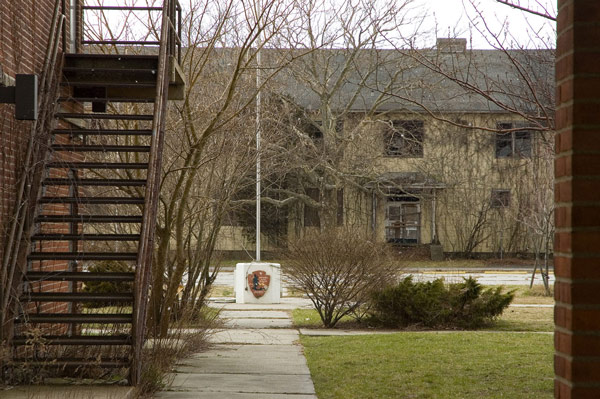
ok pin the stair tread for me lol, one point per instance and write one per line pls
(119, 339)
(102, 69)
(120, 57)
(85, 237)
(129, 84)
(100, 148)
(106, 99)
(93, 182)
(73, 363)
(121, 42)
(79, 276)
(89, 218)
(104, 132)
(75, 318)
(103, 116)
(98, 165)
(93, 200)
(83, 256)
(76, 297)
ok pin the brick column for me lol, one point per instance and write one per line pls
(577, 193)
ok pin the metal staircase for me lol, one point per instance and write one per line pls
(96, 213)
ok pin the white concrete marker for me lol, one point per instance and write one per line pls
(257, 282)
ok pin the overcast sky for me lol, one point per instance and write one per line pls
(459, 18)
(452, 17)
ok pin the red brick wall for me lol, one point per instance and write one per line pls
(24, 35)
(24, 31)
(577, 243)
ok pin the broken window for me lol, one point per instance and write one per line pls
(500, 198)
(515, 144)
(404, 139)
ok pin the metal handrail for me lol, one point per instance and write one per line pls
(146, 244)
(174, 20)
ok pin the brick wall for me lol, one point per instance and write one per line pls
(24, 33)
(24, 30)
(577, 243)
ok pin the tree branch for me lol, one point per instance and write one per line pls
(527, 10)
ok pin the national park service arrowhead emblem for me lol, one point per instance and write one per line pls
(258, 281)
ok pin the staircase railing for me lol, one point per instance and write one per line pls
(146, 245)
(173, 9)
(13, 261)
(169, 46)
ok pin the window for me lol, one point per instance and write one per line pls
(311, 215)
(403, 220)
(514, 144)
(500, 198)
(404, 139)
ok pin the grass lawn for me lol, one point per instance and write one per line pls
(525, 295)
(525, 319)
(443, 365)
(309, 318)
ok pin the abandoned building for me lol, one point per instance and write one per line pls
(446, 146)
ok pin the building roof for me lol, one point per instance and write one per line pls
(416, 80)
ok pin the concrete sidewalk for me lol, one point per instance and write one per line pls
(256, 356)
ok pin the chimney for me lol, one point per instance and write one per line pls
(450, 45)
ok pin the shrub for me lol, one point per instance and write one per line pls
(338, 271)
(107, 287)
(434, 304)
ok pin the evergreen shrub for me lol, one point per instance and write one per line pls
(436, 304)
(107, 287)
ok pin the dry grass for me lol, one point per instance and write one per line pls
(221, 291)
(161, 354)
(533, 296)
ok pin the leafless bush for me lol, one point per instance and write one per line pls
(338, 270)
(186, 336)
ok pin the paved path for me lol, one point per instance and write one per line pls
(256, 356)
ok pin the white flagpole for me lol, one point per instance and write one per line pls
(258, 127)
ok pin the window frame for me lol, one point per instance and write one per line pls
(521, 134)
(402, 225)
(396, 145)
(500, 198)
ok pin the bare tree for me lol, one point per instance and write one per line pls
(209, 140)
(323, 104)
